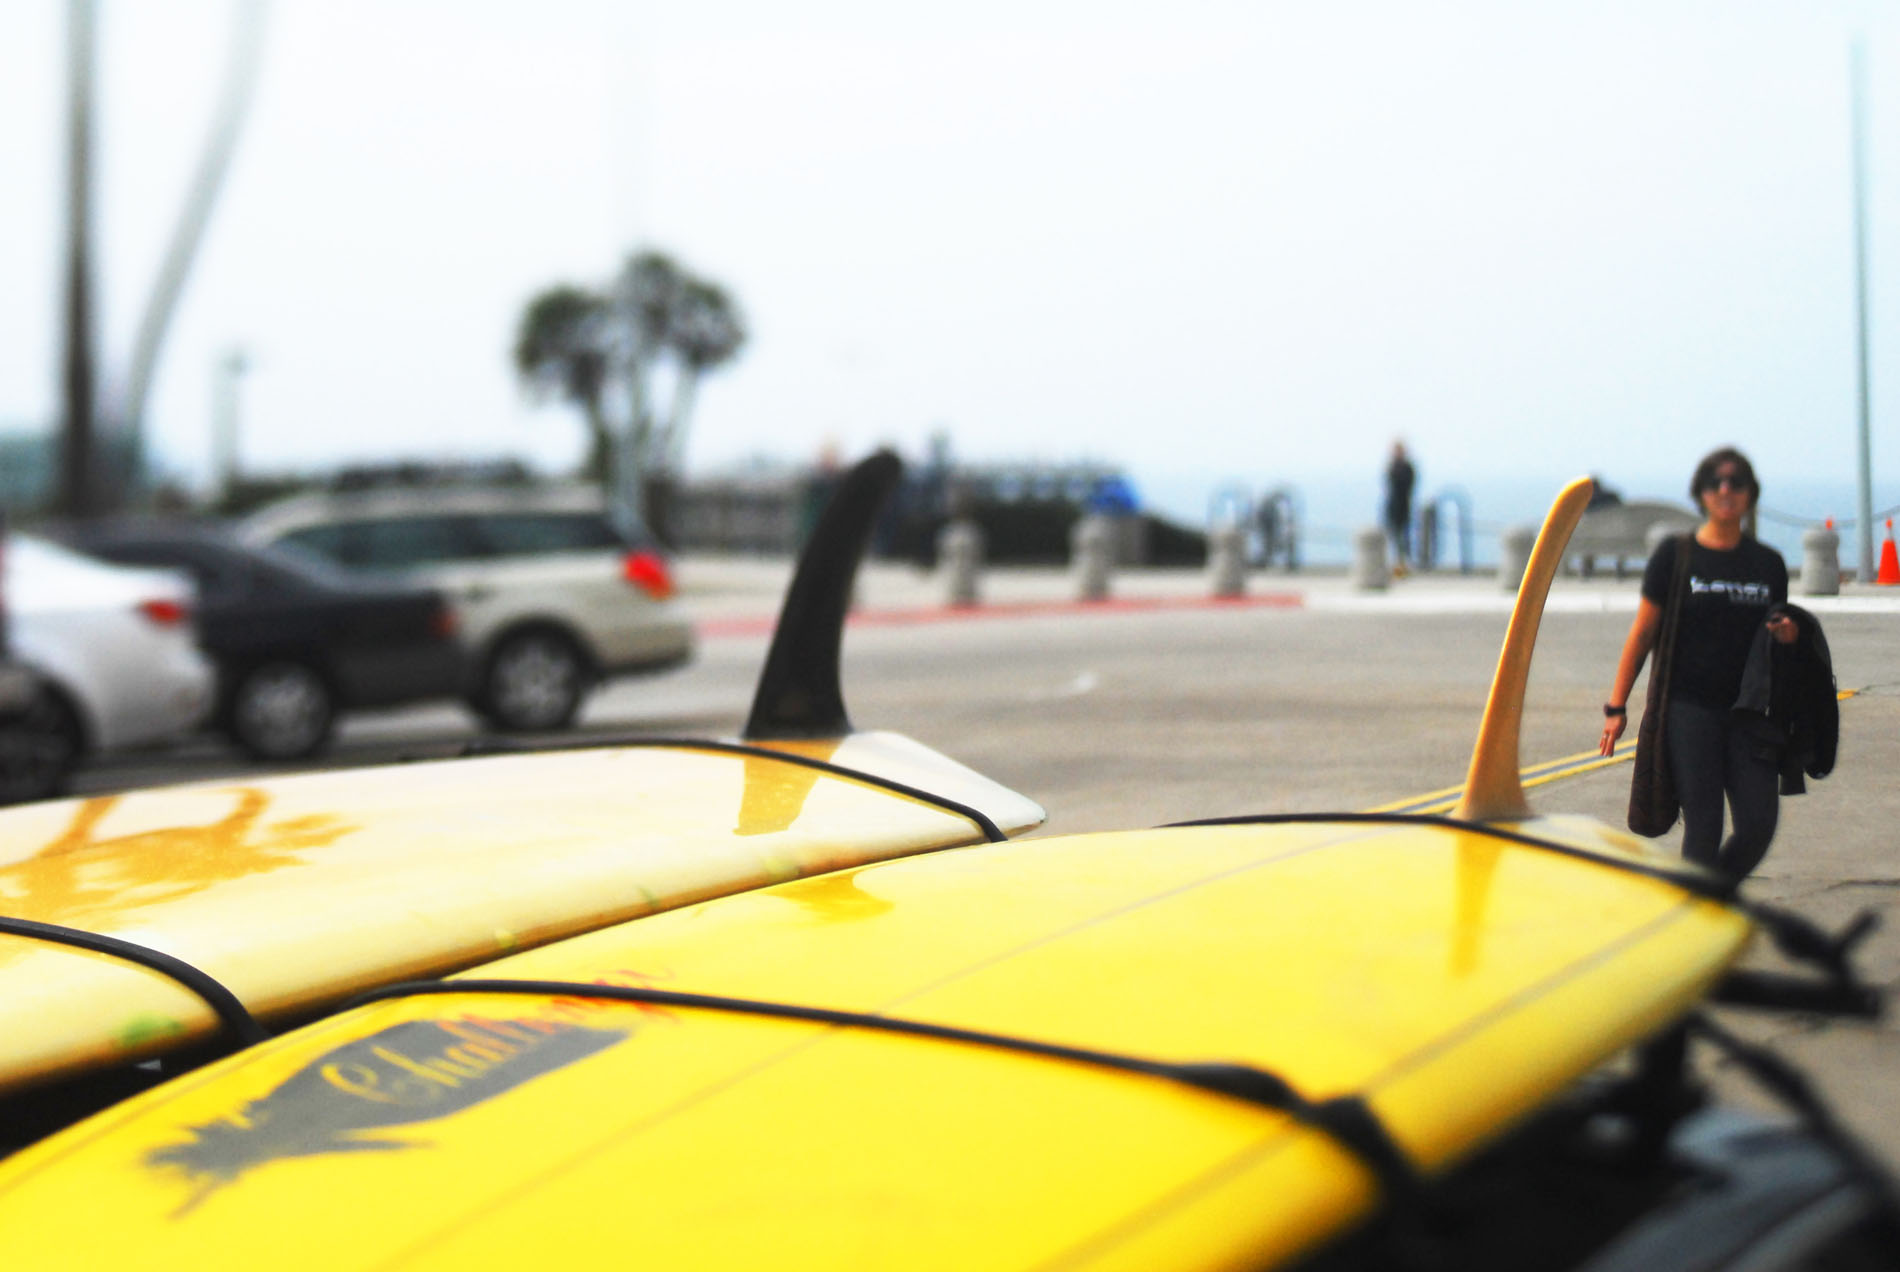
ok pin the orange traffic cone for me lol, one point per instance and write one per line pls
(1889, 575)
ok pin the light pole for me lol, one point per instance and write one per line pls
(1865, 487)
(231, 366)
(201, 196)
(78, 486)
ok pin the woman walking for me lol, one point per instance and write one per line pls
(1729, 588)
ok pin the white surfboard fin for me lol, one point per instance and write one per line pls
(799, 695)
(1493, 791)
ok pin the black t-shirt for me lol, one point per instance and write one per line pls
(1730, 594)
(1400, 477)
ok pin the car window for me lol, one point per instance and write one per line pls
(274, 577)
(326, 543)
(289, 566)
(406, 541)
(532, 533)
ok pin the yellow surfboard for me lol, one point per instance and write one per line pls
(1452, 979)
(1195, 1047)
(297, 891)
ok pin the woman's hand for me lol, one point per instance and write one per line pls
(1636, 647)
(1612, 730)
(1784, 629)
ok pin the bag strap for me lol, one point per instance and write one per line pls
(1665, 650)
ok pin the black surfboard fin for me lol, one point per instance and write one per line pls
(799, 695)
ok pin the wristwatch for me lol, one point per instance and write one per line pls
(1609, 710)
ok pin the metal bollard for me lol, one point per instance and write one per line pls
(1820, 562)
(1227, 560)
(1514, 555)
(1369, 573)
(960, 558)
(1092, 556)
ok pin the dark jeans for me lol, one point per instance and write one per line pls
(1716, 753)
(1398, 528)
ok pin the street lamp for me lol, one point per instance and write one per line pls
(231, 367)
(1864, 522)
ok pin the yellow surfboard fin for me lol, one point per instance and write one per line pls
(1493, 791)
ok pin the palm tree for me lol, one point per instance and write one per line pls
(563, 347)
(706, 332)
(645, 298)
(599, 351)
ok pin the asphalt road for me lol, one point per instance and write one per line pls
(1116, 720)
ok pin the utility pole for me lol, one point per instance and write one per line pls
(1864, 522)
(77, 487)
(231, 368)
(201, 197)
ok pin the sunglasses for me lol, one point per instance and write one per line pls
(1727, 481)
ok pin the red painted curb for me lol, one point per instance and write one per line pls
(757, 625)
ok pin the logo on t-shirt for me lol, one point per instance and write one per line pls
(1737, 591)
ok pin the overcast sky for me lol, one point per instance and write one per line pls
(1194, 238)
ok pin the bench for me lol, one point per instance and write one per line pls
(1620, 531)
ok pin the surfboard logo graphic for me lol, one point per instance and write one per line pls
(405, 1075)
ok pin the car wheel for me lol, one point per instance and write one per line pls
(535, 680)
(38, 749)
(280, 711)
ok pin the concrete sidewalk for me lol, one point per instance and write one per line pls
(730, 594)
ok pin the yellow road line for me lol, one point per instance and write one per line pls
(1445, 800)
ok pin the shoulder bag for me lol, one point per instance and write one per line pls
(1653, 804)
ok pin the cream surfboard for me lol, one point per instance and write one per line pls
(294, 892)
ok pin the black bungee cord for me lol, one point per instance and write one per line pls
(1348, 1120)
(985, 824)
(230, 1011)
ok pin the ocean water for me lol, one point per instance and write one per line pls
(1333, 508)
